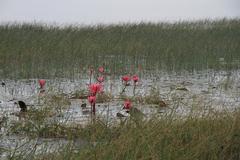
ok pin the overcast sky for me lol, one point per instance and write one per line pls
(115, 11)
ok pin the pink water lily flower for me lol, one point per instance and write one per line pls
(42, 83)
(92, 99)
(101, 69)
(126, 78)
(135, 78)
(95, 88)
(100, 79)
(127, 104)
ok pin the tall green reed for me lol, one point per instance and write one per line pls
(37, 50)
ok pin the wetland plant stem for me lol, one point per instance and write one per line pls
(134, 88)
(93, 112)
(107, 114)
(125, 86)
(94, 109)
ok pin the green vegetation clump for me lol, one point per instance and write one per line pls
(153, 97)
(59, 99)
(104, 97)
(214, 136)
(37, 50)
(79, 94)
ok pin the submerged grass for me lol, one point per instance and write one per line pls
(38, 50)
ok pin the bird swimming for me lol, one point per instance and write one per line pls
(3, 84)
(22, 106)
(23, 111)
(84, 105)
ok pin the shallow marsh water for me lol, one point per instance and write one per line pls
(218, 90)
(201, 91)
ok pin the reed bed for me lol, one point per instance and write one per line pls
(41, 50)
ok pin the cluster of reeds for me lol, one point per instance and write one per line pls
(34, 50)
